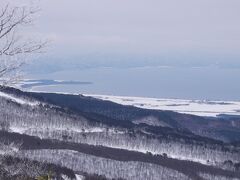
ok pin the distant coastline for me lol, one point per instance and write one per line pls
(31, 83)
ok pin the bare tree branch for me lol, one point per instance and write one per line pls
(12, 44)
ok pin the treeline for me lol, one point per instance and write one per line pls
(186, 167)
(128, 169)
(21, 168)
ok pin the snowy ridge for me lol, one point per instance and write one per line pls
(18, 100)
(81, 140)
(194, 107)
(48, 124)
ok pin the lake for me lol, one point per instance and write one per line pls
(161, 82)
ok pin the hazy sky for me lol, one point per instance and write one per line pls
(201, 34)
(151, 27)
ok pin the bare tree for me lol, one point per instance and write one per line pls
(14, 47)
(4, 125)
(9, 148)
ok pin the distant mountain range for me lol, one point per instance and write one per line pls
(81, 137)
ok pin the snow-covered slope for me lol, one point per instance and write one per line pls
(18, 99)
(195, 107)
(112, 133)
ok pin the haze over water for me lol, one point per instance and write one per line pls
(162, 82)
(199, 40)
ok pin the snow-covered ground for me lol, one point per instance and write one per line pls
(18, 100)
(195, 107)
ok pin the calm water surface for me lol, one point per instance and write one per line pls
(162, 82)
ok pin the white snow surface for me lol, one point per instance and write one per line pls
(194, 107)
(79, 177)
(18, 129)
(18, 100)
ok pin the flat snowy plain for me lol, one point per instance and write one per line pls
(195, 107)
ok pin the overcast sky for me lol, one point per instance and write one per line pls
(87, 35)
(150, 27)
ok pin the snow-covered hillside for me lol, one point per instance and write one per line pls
(18, 100)
(195, 107)
(78, 130)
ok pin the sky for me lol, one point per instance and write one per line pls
(88, 34)
(173, 28)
